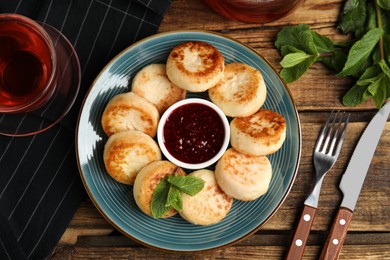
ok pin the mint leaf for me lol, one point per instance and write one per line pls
(336, 61)
(371, 17)
(299, 37)
(293, 59)
(174, 198)
(293, 73)
(375, 85)
(356, 95)
(353, 16)
(384, 4)
(386, 47)
(384, 68)
(159, 198)
(188, 184)
(301, 47)
(287, 49)
(379, 91)
(322, 43)
(359, 53)
(385, 16)
(372, 83)
(369, 76)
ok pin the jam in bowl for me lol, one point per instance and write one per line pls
(193, 133)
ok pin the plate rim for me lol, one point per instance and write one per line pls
(296, 163)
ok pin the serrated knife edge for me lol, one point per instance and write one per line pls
(355, 174)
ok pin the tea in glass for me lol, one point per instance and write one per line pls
(27, 64)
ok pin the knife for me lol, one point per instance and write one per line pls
(352, 181)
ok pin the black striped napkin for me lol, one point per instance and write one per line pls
(40, 187)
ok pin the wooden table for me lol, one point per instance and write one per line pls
(89, 235)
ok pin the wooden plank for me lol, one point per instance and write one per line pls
(261, 238)
(233, 252)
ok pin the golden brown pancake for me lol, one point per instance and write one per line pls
(241, 92)
(195, 66)
(244, 177)
(210, 205)
(152, 83)
(129, 111)
(126, 153)
(260, 134)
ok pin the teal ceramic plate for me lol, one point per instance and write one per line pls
(115, 200)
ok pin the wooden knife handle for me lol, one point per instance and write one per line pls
(337, 234)
(301, 233)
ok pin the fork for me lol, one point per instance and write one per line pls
(326, 152)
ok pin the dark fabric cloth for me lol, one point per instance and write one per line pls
(40, 187)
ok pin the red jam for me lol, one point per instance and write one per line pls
(193, 133)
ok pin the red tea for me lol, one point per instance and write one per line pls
(26, 65)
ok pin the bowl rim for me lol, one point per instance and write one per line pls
(193, 166)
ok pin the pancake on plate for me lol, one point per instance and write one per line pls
(195, 66)
(126, 153)
(210, 205)
(241, 92)
(152, 83)
(260, 134)
(243, 177)
(129, 111)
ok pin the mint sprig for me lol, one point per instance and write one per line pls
(160, 195)
(188, 184)
(366, 57)
(167, 194)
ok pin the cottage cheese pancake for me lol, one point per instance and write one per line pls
(126, 153)
(152, 83)
(210, 205)
(129, 111)
(241, 92)
(260, 134)
(243, 177)
(195, 66)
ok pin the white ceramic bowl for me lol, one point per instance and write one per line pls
(161, 139)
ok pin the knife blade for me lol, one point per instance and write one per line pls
(352, 182)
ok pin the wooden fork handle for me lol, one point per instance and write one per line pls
(337, 234)
(298, 243)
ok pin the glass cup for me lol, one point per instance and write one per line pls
(254, 11)
(28, 65)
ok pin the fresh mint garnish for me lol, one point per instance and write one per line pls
(188, 184)
(160, 196)
(174, 199)
(167, 194)
(365, 57)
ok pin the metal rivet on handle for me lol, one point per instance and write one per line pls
(298, 242)
(306, 217)
(335, 241)
(342, 222)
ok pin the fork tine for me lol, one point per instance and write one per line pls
(322, 134)
(325, 146)
(336, 135)
(341, 139)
